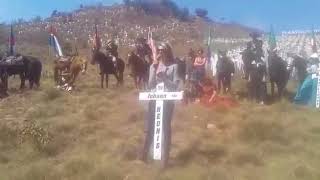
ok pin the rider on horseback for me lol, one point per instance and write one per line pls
(143, 50)
(257, 45)
(112, 51)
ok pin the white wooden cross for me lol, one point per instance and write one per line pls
(317, 75)
(159, 96)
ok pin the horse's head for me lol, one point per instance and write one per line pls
(130, 57)
(94, 52)
(84, 66)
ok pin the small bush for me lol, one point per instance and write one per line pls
(51, 94)
(263, 130)
(38, 135)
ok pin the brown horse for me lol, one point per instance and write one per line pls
(138, 70)
(66, 72)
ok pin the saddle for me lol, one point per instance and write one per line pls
(12, 60)
(64, 64)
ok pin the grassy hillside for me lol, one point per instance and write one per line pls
(95, 133)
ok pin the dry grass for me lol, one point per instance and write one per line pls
(95, 133)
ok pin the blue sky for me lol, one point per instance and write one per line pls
(283, 14)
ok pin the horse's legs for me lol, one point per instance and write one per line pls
(23, 79)
(37, 81)
(280, 90)
(121, 77)
(5, 81)
(102, 79)
(31, 82)
(117, 77)
(136, 82)
(272, 88)
(55, 75)
(107, 80)
(73, 78)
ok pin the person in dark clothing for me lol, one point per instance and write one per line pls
(301, 66)
(112, 48)
(112, 51)
(257, 81)
(229, 73)
(225, 68)
(190, 60)
(247, 58)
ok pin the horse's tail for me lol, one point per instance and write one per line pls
(84, 64)
(38, 72)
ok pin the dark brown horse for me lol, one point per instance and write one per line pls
(107, 67)
(120, 67)
(28, 68)
(278, 72)
(138, 70)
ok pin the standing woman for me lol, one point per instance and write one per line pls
(162, 70)
(199, 66)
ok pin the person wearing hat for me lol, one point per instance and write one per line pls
(112, 48)
(163, 70)
(257, 45)
(112, 51)
(247, 58)
(143, 50)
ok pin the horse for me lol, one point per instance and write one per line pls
(34, 69)
(278, 73)
(73, 67)
(138, 70)
(28, 69)
(107, 67)
(120, 67)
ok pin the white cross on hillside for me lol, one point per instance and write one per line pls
(159, 96)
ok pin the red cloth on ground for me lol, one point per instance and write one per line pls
(218, 101)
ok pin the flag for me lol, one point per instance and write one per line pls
(54, 43)
(97, 40)
(12, 41)
(272, 39)
(152, 46)
(209, 44)
(314, 42)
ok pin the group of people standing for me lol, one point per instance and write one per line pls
(201, 82)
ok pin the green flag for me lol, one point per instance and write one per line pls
(272, 39)
(314, 42)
